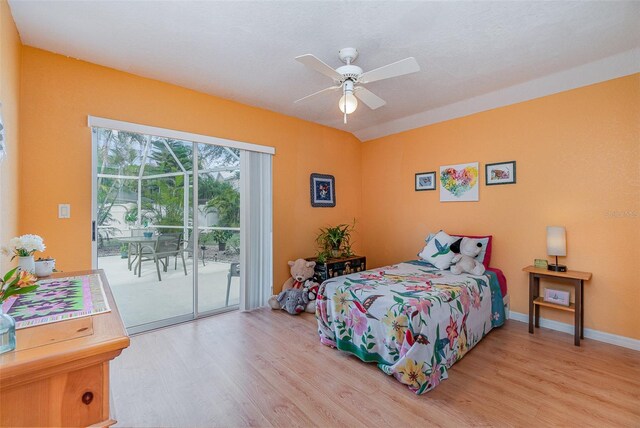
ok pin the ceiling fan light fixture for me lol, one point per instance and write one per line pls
(351, 78)
(348, 103)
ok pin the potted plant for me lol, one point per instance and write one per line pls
(45, 266)
(221, 237)
(147, 233)
(124, 251)
(12, 283)
(334, 241)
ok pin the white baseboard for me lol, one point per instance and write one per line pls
(600, 336)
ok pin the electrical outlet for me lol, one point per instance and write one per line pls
(64, 211)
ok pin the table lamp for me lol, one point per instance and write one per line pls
(556, 246)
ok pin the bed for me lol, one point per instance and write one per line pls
(413, 320)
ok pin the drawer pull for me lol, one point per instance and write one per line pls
(87, 398)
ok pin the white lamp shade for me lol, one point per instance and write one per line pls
(348, 103)
(556, 241)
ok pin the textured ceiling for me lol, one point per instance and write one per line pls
(245, 50)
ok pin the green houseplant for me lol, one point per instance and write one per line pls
(221, 237)
(14, 282)
(334, 241)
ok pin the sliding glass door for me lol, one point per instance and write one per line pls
(166, 226)
(219, 227)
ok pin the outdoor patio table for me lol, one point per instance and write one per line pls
(139, 242)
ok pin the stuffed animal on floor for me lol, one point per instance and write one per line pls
(301, 273)
(311, 287)
(466, 250)
(293, 300)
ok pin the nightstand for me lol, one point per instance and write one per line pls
(571, 277)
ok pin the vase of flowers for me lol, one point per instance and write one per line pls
(7, 332)
(23, 247)
(12, 283)
(27, 264)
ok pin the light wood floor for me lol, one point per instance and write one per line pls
(268, 368)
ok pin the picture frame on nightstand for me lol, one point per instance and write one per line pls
(556, 296)
(541, 263)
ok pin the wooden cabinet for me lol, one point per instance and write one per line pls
(59, 373)
(338, 267)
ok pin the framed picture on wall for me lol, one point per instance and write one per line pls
(425, 181)
(323, 190)
(500, 173)
(459, 183)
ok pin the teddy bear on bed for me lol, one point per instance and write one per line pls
(466, 250)
(299, 292)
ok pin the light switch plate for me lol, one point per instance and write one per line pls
(64, 211)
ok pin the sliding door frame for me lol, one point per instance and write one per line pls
(98, 122)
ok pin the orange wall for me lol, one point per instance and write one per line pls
(10, 48)
(578, 165)
(577, 154)
(57, 95)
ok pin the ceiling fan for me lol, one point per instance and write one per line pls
(350, 79)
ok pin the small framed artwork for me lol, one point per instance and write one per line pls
(556, 296)
(323, 190)
(425, 181)
(500, 173)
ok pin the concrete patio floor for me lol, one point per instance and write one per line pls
(145, 299)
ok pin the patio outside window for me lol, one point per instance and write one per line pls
(145, 214)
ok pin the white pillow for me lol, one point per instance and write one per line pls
(437, 251)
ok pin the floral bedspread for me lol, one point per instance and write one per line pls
(413, 320)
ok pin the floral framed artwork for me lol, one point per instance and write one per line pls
(323, 190)
(459, 183)
(500, 173)
(425, 181)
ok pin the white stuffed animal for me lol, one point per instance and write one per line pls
(466, 250)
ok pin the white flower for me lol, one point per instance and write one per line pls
(33, 243)
(26, 245)
(15, 243)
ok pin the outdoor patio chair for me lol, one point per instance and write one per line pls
(189, 249)
(234, 270)
(168, 245)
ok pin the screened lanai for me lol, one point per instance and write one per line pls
(145, 208)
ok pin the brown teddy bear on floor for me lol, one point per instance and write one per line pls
(302, 272)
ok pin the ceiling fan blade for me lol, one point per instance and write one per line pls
(399, 68)
(325, 90)
(369, 98)
(319, 66)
